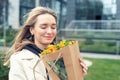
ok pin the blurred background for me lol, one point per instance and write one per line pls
(94, 23)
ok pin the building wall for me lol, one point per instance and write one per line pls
(70, 11)
(14, 8)
(118, 10)
(13, 11)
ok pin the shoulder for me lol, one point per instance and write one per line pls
(24, 54)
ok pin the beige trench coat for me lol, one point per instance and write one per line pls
(25, 65)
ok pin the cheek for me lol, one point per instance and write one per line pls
(40, 31)
(55, 32)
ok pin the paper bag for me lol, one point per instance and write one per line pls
(70, 56)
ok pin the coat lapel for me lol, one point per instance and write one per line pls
(34, 62)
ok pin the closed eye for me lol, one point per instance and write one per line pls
(53, 26)
(43, 26)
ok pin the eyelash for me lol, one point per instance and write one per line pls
(53, 27)
(44, 27)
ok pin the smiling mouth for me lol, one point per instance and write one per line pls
(50, 37)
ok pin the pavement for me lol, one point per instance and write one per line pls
(98, 55)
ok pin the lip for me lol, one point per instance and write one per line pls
(49, 37)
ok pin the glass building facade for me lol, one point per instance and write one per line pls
(85, 10)
(25, 7)
(95, 9)
(68, 10)
(3, 11)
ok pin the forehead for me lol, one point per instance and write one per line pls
(46, 18)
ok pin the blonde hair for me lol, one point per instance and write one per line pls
(24, 37)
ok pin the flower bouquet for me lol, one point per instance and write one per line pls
(62, 60)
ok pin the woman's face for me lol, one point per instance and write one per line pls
(44, 30)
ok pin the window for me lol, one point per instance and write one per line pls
(1, 12)
(88, 9)
(25, 7)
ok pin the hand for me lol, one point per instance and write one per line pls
(83, 65)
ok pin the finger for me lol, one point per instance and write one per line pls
(84, 72)
(81, 60)
(84, 66)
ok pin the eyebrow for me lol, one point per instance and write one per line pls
(47, 24)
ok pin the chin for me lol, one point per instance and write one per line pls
(48, 42)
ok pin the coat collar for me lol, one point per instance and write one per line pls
(31, 53)
(35, 62)
(33, 49)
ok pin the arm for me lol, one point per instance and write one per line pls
(16, 70)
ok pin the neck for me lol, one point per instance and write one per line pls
(41, 46)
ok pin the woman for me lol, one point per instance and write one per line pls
(38, 32)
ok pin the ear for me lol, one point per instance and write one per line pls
(32, 30)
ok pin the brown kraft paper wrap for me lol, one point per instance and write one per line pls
(70, 55)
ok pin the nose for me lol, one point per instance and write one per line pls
(49, 30)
